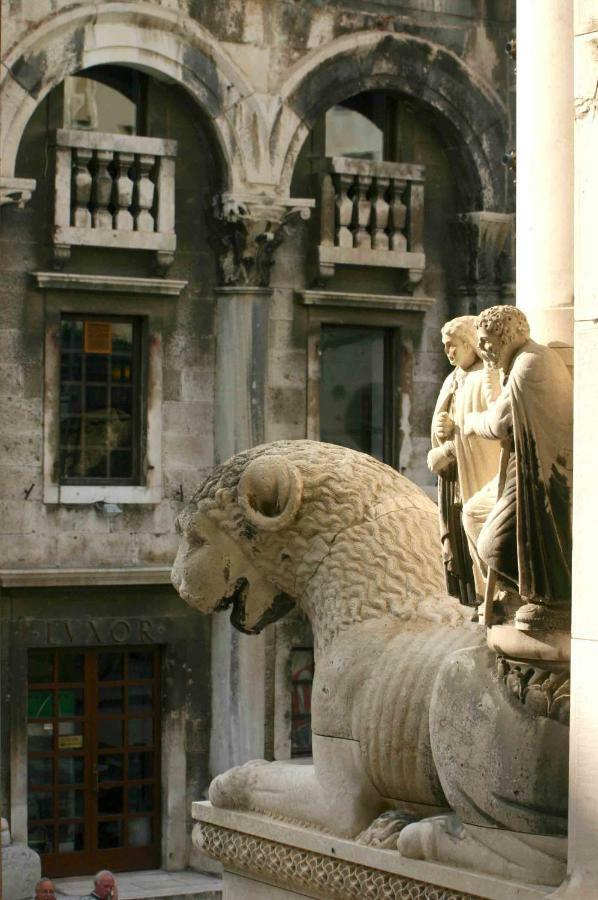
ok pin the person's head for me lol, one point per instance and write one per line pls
(104, 884)
(44, 890)
(460, 341)
(501, 331)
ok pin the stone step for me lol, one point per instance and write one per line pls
(147, 885)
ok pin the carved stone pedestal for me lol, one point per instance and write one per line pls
(265, 859)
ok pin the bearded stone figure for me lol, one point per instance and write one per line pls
(525, 542)
(465, 464)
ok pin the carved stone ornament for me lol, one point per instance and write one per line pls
(246, 231)
(17, 191)
(407, 709)
(485, 247)
(296, 868)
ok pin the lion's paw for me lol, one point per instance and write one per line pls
(232, 789)
(385, 830)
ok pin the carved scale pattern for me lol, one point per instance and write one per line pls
(292, 867)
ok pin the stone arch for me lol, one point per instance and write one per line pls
(466, 109)
(157, 42)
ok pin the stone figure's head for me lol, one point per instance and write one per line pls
(460, 341)
(273, 522)
(501, 331)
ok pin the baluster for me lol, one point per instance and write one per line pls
(344, 211)
(103, 184)
(363, 212)
(398, 240)
(145, 193)
(416, 217)
(123, 219)
(327, 203)
(83, 181)
(380, 210)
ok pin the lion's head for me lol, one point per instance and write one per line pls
(265, 522)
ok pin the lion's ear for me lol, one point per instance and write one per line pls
(270, 492)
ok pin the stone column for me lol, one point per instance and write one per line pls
(582, 881)
(246, 230)
(544, 165)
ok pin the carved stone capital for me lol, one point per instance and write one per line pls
(16, 190)
(248, 230)
(486, 258)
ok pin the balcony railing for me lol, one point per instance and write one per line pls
(114, 190)
(371, 214)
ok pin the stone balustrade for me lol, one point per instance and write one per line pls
(114, 190)
(371, 214)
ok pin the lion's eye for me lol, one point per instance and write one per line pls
(196, 539)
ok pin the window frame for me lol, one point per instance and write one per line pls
(148, 484)
(139, 389)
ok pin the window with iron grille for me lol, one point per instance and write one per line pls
(100, 399)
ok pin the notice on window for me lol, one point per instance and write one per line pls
(70, 742)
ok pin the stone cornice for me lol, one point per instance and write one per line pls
(392, 302)
(120, 284)
(83, 577)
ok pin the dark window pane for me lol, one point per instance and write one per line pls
(96, 398)
(122, 337)
(121, 371)
(40, 736)
(71, 366)
(110, 733)
(141, 765)
(41, 665)
(120, 430)
(70, 837)
(140, 832)
(110, 800)
(39, 805)
(40, 704)
(302, 673)
(71, 804)
(96, 432)
(140, 698)
(110, 699)
(110, 768)
(122, 400)
(39, 771)
(70, 770)
(71, 464)
(96, 463)
(70, 400)
(70, 432)
(70, 667)
(121, 464)
(141, 798)
(110, 834)
(70, 702)
(110, 666)
(352, 388)
(71, 333)
(96, 367)
(140, 732)
(41, 838)
(141, 664)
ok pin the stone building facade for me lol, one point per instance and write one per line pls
(223, 223)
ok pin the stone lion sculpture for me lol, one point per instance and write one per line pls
(410, 720)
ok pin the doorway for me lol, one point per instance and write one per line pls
(93, 735)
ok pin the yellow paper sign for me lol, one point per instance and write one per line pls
(70, 742)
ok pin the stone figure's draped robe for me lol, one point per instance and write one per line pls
(526, 538)
(475, 463)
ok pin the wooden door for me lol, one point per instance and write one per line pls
(93, 735)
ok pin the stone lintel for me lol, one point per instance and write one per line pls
(83, 577)
(398, 302)
(315, 864)
(109, 283)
